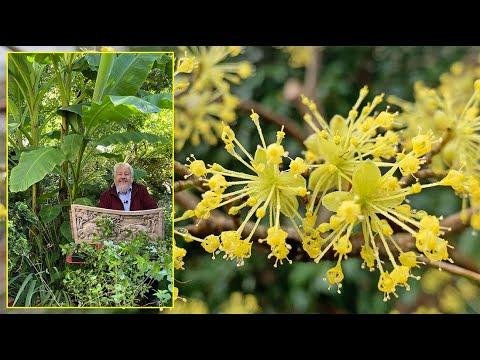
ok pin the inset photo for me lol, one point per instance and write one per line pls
(90, 179)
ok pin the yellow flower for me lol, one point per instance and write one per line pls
(343, 143)
(300, 56)
(264, 189)
(370, 203)
(199, 116)
(214, 72)
(203, 99)
(178, 255)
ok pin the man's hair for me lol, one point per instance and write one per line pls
(122, 164)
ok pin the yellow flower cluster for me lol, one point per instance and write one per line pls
(343, 162)
(202, 92)
(452, 112)
(265, 190)
(300, 56)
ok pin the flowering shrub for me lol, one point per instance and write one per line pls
(347, 192)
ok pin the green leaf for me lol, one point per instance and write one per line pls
(101, 82)
(126, 137)
(77, 109)
(133, 101)
(163, 101)
(46, 58)
(48, 213)
(115, 109)
(22, 287)
(139, 173)
(366, 179)
(66, 231)
(34, 166)
(333, 200)
(12, 126)
(93, 61)
(162, 61)
(30, 292)
(128, 73)
(71, 146)
(83, 201)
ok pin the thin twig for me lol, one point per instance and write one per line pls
(219, 222)
(452, 268)
(454, 222)
(421, 174)
(294, 89)
(181, 185)
(312, 71)
(193, 180)
(186, 200)
(290, 127)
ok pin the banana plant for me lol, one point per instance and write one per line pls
(27, 81)
(117, 84)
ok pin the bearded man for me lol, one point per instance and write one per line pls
(126, 194)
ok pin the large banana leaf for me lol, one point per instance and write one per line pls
(163, 101)
(126, 137)
(33, 166)
(115, 109)
(26, 76)
(128, 73)
(71, 145)
(103, 76)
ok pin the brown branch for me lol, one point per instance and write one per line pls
(181, 169)
(452, 268)
(290, 127)
(193, 180)
(421, 174)
(219, 222)
(455, 223)
(181, 185)
(311, 74)
(186, 200)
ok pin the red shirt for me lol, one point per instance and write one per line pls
(141, 199)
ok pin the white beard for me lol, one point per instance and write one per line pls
(123, 187)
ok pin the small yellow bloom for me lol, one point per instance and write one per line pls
(178, 255)
(197, 168)
(211, 244)
(335, 276)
